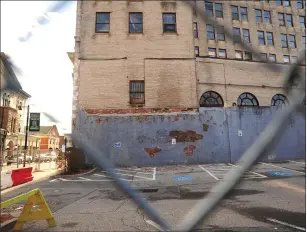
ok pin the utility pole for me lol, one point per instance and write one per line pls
(26, 139)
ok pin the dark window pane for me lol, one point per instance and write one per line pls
(222, 53)
(267, 17)
(284, 41)
(247, 55)
(243, 11)
(218, 10)
(169, 28)
(212, 52)
(300, 4)
(278, 2)
(281, 18)
(286, 3)
(137, 92)
(235, 13)
(246, 35)
(287, 59)
(269, 37)
(272, 57)
(220, 33)
(209, 8)
(102, 27)
(136, 28)
(261, 40)
(302, 21)
(195, 30)
(263, 56)
(289, 20)
(292, 43)
(258, 16)
(103, 18)
(196, 50)
(169, 18)
(135, 18)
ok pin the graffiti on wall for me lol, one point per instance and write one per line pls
(185, 136)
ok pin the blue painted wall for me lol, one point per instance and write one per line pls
(210, 136)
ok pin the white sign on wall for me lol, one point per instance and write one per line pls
(63, 148)
(173, 141)
(240, 133)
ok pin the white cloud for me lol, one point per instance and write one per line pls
(47, 70)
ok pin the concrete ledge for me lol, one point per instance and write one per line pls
(80, 174)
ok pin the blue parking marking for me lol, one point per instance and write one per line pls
(182, 178)
(276, 173)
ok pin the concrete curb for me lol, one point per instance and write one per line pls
(8, 225)
(76, 175)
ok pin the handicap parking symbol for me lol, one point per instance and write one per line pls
(277, 173)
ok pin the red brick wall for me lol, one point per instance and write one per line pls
(44, 143)
(7, 114)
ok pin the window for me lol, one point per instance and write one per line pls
(300, 4)
(236, 34)
(261, 40)
(278, 100)
(247, 99)
(169, 22)
(293, 59)
(283, 2)
(263, 57)
(281, 18)
(238, 55)
(102, 22)
(137, 92)
(289, 20)
(258, 16)
(196, 50)
(135, 22)
(210, 31)
(220, 34)
(246, 37)
(267, 17)
(195, 30)
(222, 53)
(292, 43)
(286, 59)
(284, 40)
(211, 99)
(302, 22)
(272, 57)
(243, 11)
(269, 38)
(235, 13)
(248, 56)
(212, 52)
(209, 8)
(219, 10)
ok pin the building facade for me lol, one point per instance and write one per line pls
(142, 55)
(13, 102)
(49, 138)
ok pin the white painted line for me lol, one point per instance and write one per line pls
(55, 180)
(82, 178)
(150, 222)
(122, 174)
(258, 174)
(296, 162)
(286, 224)
(119, 171)
(282, 168)
(209, 173)
(102, 175)
(154, 174)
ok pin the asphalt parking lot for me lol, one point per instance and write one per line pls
(271, 196)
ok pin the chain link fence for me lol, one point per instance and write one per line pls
(294, 86)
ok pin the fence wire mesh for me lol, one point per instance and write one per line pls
(295, 87)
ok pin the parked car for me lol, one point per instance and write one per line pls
(11, 161)
(29, 159)
(48, 157)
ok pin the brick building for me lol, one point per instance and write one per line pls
(49, 138)
(160, 54)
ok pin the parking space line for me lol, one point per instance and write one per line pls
(286, 224)
(123, 174)
(82, 178)
(282, 167)
(154, 174)
(101, 175)
(296, 162)
(209, 173)
(258, 174)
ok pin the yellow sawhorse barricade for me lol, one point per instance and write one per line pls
(35, 197)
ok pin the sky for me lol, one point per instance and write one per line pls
(46, 69)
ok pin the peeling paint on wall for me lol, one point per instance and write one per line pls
(152, 151)
(188, 150)
(187, 136)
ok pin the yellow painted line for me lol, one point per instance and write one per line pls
(286, 185)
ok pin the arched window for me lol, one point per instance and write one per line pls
(278, 100)
(247, 99)
(211, 99)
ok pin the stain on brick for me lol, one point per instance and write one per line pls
(152, 151)
(188, 150)
(182, 136)
(98, 121)
(205, 127)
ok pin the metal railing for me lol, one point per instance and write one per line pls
(266, 141)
